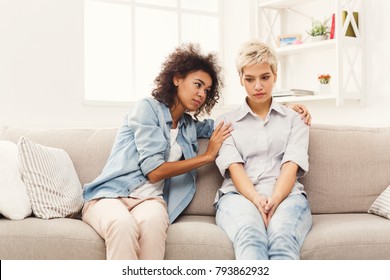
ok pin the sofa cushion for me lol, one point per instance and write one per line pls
(348, 168)
(381, 205)
(56, 239)
(197, 238)
(14, 201)
(347, 237)
(52, 183)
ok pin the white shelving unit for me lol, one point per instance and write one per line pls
(347, 53)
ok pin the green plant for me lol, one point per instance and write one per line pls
(318, 28)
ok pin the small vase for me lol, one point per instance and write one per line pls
(319, 38)
(324, 89)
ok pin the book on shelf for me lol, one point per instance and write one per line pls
(332, 27)
(292, 92)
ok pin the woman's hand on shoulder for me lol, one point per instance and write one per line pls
(302, 110)
(221, 132)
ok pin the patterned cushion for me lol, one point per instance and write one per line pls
(381, 205)
(51, 180)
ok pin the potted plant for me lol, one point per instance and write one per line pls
(324, 78)
(324, 87)
(319, 30)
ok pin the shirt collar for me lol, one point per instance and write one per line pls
(168, 116)
(245, 110)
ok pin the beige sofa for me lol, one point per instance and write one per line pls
(349, 168)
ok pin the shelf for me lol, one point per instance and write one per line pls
(309, 46)
(346, 54)
(294, 99)
(281, 4)
(319, 45)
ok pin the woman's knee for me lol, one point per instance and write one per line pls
(122, 225)
(156, 217)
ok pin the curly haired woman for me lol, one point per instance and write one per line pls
(149, 178)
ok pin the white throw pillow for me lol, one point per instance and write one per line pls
(14, 202)
(52, 183)
(381, 205)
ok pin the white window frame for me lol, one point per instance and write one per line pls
(179, 11)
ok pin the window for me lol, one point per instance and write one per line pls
(127, 40)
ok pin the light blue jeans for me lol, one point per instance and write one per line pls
(283, 238)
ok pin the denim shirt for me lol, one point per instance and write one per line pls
(141, 145)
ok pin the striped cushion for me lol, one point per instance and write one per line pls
(381, 205)
(51, 180)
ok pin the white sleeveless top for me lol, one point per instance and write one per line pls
(148, 189)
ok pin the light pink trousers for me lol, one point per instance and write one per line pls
(132, 228)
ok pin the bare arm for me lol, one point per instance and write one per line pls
(175, 168)
(245, 187)
(171, 169)
(283, 187)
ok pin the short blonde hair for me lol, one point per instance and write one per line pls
(256, 52)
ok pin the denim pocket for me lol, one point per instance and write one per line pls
(195, 146)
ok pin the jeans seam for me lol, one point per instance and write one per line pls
(300, 221)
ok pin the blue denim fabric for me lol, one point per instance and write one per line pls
(141, 145)
(283, 238)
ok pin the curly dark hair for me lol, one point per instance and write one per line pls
(187, 59)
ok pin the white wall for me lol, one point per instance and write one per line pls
(41, 66)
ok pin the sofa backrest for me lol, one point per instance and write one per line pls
(208, 181)
(88, 148)
(349, 166)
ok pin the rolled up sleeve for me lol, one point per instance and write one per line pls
(204, 129)
(228, 154)
(297, 146)
(148, 136)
